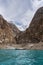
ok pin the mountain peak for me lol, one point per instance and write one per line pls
(41, 8)
(35, 31)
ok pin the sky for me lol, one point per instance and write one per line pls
(19, 12)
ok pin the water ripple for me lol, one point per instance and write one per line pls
(21, 57)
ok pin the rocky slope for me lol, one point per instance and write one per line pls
(34, 33)
(14, 28)
(8, 32)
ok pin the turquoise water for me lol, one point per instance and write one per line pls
(21, 57)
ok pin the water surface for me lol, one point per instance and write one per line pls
(21, 57)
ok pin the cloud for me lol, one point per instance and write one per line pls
(13, 9)
(20, 12)
(37, 3)
(28, 15)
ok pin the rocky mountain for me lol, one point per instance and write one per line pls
(34, 33)
(8, 31)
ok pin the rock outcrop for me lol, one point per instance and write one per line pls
(14, 28)
(34, 33)
(8, 32)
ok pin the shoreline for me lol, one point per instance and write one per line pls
(29, 46)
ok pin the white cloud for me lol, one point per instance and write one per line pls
(27, 17)
(14, 8)
(20, 11)
(37, 3)
(30, 13)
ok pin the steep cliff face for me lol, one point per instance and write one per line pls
(34, 33)
(7, 35)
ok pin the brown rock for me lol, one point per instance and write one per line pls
(34, 33)
(7, 31)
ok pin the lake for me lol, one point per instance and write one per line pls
(21, 57)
